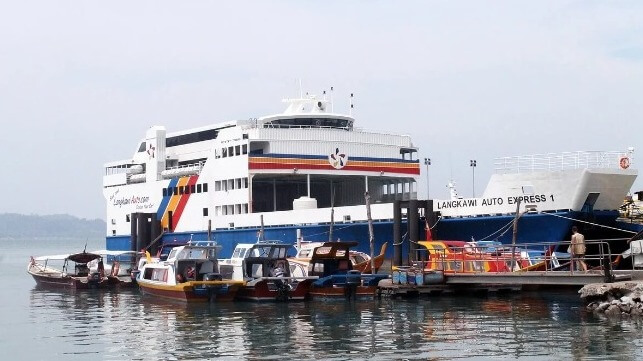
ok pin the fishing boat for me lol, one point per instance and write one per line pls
(264, 268)
(190, 274)
(337, 279)
(69, 271)
(310, 166)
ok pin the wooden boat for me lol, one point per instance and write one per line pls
(337, 278)
(118, 266)
(69, 271)
(360, 260)
(190, 274)
(472, 257)
(266, 272)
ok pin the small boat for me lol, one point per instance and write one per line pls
(69, 271)
(118, 266)
(266, 271)
(476, 257)
(190, 274)
(360, 260)
(337, 278)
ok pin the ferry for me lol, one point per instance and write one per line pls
(294, 173)
(303, 174)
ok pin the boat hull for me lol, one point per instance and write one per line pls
(262, 291)
(549, 227)
(69, 282)
(343, 292)
(187, 292)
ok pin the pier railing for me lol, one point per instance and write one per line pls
(546, 257)
(560, 161)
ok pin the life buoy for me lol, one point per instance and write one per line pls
(624, 162)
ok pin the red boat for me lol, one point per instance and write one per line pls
(337, 277)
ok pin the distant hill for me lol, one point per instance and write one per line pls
(21, 226)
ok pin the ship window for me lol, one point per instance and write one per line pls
(127, 218)
(230, 209)
(230, 151)
(217, 210)
(141, 148)
(205, 212)
(238, 181)
(224, 152)
(191, 138)
(175, 190)
(164, 192)
(198, 188)
(237, 150)
(113, 232)
(230, 184)
(235, 254)
(245, 208)
(180, 189)
(244, 149)
(205, 187)
(245, 182)
(187, 189)
(217, 186)
(237, 209)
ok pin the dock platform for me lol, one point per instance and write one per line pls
(495, 282)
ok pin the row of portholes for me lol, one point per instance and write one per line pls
(230, 184)
(231, 209)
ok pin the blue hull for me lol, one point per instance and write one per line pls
(532, 228)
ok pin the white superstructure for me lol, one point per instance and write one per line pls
(287, 167)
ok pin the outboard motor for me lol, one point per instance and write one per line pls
(93, 279)
(353, 280)
(283, 288)
(213, 289)
(212, 277)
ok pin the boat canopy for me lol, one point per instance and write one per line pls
(55, 257)
(83, 257)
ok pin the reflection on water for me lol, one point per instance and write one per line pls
(125, 325)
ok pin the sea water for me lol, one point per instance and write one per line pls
(40, 324)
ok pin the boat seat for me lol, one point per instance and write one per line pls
(206, 267)
(343, 265)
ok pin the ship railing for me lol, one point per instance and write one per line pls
(187, 167)
(547, 257)
(293, 126)
(561, 161)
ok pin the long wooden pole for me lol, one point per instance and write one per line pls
(332, 214)
(515, 235)
(371, 236)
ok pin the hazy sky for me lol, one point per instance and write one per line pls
(81, 81)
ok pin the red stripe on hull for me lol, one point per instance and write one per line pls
(414, 170)
(261, 291)
(183, 201)
(187, 295)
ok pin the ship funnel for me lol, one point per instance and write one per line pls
(155, 144)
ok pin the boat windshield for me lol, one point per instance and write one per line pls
(196, 253)
(268, 252)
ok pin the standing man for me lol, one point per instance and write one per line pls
(578, 249)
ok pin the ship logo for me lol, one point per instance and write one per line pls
(338, 160)
(150, 151)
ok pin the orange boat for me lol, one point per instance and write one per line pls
(467, 257)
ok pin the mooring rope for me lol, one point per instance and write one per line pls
(590, 223)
